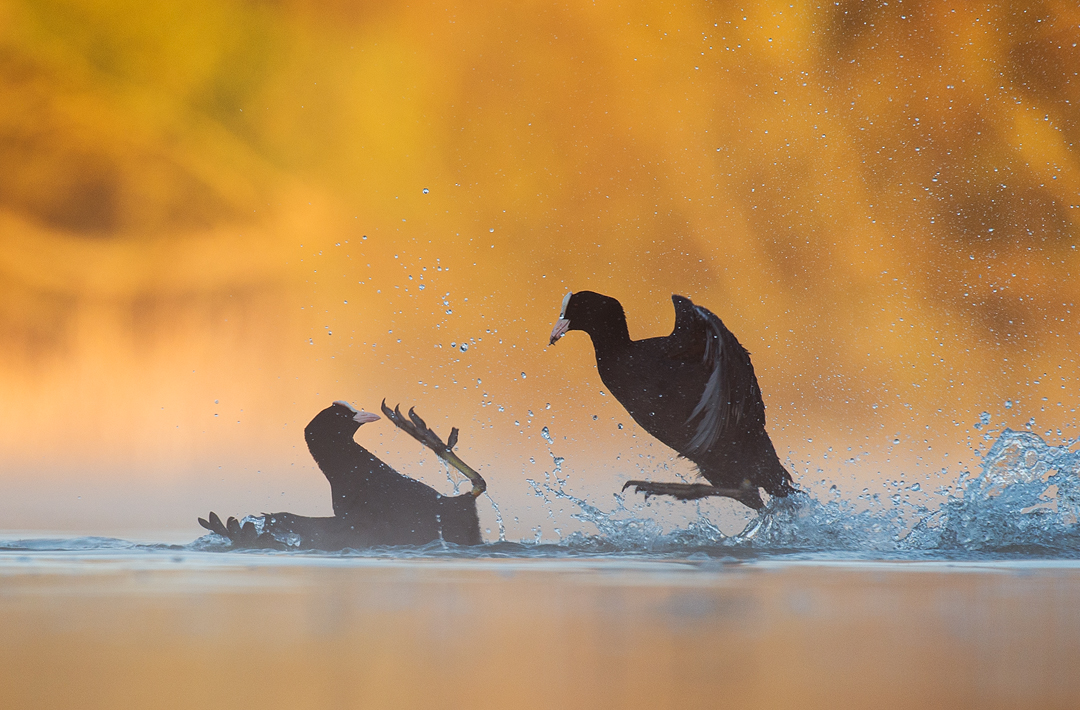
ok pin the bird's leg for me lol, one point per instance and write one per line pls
(748, 495)
(415, 427)
(681, 491)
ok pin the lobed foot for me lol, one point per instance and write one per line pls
(415, 427)
(243, 536)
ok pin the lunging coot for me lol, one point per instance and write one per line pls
(694, 390)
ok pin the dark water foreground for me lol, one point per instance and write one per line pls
(970, 603)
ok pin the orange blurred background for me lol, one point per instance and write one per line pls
(218, 217)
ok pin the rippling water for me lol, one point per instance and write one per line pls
(835, 604)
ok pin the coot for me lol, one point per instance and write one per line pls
(373, 503)
(694, 390)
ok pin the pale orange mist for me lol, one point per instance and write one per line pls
(218, 218)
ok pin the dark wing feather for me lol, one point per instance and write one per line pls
(731, 389)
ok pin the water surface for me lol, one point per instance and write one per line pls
(970, 604)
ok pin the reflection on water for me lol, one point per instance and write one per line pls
(172, 627)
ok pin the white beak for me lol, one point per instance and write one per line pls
(561, 326)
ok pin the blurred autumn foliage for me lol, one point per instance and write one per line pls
(217, 217)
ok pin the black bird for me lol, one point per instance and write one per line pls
(694, 390)
(373, 503)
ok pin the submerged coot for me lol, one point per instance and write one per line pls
(694, 390)
(373, 503)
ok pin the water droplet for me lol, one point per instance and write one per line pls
(422, 287)
(464, 346)
(896, 441)
(215, 401)
(984, 418)
(915, 487)
(620, 426)
(501, 408)
(1008, 404)
(449, 311)
(548, 406)
(530, 413)
(546, 435)
(523, 375)
(425, 191)
(594, 417)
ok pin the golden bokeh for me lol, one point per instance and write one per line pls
(217, 217)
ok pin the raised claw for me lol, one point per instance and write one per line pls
(417, 428)
(420, 424)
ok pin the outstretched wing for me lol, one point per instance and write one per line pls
(731, 394)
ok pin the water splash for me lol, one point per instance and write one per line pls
(498, 516)
(1027, 496)
(1025, 500)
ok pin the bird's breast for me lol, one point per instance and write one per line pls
(659, 395)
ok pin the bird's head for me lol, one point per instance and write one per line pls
(340, 419)
(589, 311)
(341, 408)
